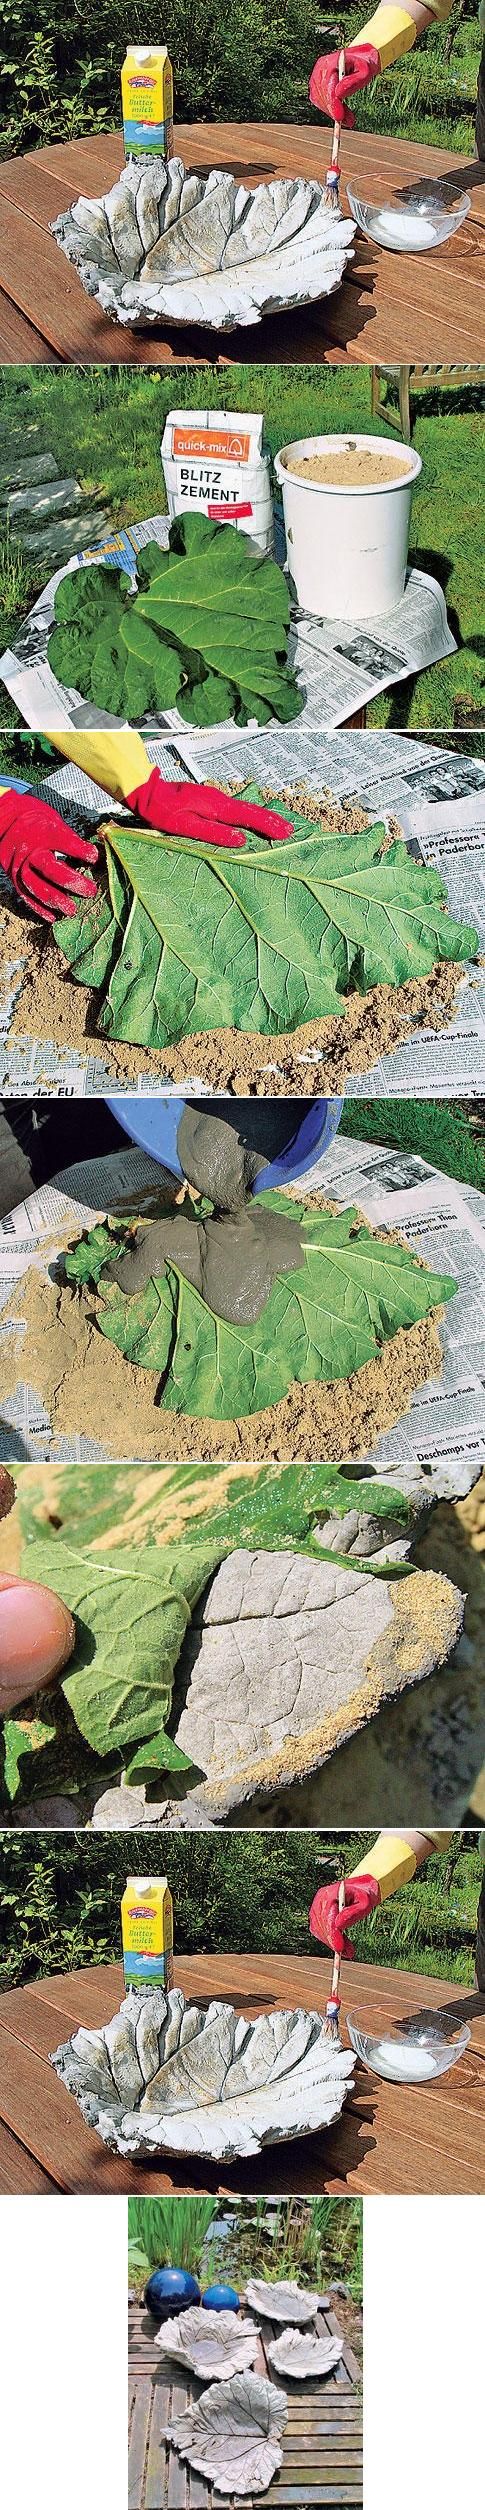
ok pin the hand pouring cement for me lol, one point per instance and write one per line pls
(233, 1258)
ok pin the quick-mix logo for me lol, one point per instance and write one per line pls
(207, 445)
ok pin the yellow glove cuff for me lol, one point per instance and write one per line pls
(391, 1862)
(391, 32)
(116, 760)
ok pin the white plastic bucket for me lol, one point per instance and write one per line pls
(347, 547)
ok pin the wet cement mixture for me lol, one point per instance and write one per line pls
(233, 1257)
(320, 1054)
(56, 1346)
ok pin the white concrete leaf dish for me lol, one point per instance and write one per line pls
(233, 2434)
(287, 2301)
(214, 2344)
(169, 248)
(165, 2076)
(305, 2357)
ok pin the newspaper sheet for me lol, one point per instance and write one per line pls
(340, 667)
(442, 1221)
(438, 795)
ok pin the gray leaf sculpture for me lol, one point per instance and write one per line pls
(233, 2434)
(167, 2076)
(287, 2301)
(211, 2343)
(305, 2357)
(165, 247)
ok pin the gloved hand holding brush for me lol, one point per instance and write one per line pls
(383, 40)
(392, 1861)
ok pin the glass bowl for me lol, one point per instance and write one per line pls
(413, 221)
(410, 2053)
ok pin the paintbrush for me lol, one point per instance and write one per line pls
(333, 177)
(333, 2002)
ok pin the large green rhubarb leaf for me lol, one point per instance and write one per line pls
(260, 939)
(210, 614)
(350, 1295)
(217, 594)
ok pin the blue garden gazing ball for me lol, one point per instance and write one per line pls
(169, 2290)
(220, 2296)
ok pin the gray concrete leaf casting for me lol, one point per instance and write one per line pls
(288, 1656)
(161, 247)
(233, 2434)
(288, 2301)
(165, 2076)
(305, 2357)
(213, 2344)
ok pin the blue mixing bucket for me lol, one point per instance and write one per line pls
(153, 1123)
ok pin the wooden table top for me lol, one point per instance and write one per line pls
(391, 307)
(390, 2139)
(322, 2442)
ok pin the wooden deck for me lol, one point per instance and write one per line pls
(322, 2444)
(391, 306)
(389, 2140)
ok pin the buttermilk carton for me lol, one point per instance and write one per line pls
(147, 101)
(147, 1932)
(215, 462)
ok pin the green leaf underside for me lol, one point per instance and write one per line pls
(212, 607)
(20, 1737)
(131, 1616)
(172, 1527)
(324, 1321)
(259, 940)
(236, 1507)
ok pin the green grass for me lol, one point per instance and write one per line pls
(244, 1893)
(426, 98)
(170, 2230)
(105, 424)
(436, 1129)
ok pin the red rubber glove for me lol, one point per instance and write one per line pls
(38, 852)
(329, 1923)
(201, 811)
(328, 92)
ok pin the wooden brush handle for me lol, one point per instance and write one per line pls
(337, 1955)
(335, 159)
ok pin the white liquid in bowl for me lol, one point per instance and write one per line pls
(406, 2065)
(396, 226)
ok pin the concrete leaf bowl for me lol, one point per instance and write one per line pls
(167, 247)
(298, 2356)
(287, 2301)
(233, 2434)
(213, 2344)
(166, 2076)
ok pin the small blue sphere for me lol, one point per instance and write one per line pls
(220, 2296)
(169, 2290)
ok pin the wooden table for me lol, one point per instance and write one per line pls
(391, 306)
(322, 2442)
(389, 2139)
